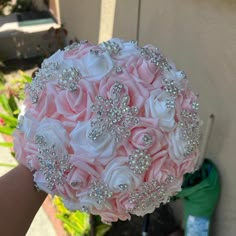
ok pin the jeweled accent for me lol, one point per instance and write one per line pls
(34, 90)
(53, 164)
(139, 161)
(111, 47)
(134, 42)
(113, 115)
(147, 139)
(149, 196)
(170, 103)
(46, 73)
(195, 106)
(171, 87)
(69, 79)
(156, 58)
(94, 52)
(84, 209)
(118, 69)
(72, 46)
(123, 187)
(99, 192)
(190, 130)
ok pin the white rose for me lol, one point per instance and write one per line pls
(156, 107)
(177, 146)
(103, 149)
(118, 176)
(95, 67)
(54, 134)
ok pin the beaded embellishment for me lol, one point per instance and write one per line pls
(149, 196)
(155, 57)
(113, 115)
(99, 192)
(53, 164)
(69, 79)
(139, 161)
(190, 130)
(111, 47)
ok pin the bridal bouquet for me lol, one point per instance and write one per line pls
(111, 128)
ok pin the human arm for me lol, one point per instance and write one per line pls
(19, 201)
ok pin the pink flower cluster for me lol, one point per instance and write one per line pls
(103, 122)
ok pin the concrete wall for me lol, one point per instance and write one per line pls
(200, 36)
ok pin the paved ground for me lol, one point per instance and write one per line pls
(41, 224)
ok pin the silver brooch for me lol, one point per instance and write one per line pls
(72, 46)
(99, 192)
(113, 115)
(190, 130)
(147, 139)
(69, 79)
(155, 57)
(53, 164)
(46, 73)
(111, 47)
(149, 196)
(139, 161)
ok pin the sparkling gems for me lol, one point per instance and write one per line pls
(72, 46)
(149, 196)
(170, 103)
(161, 62)
(195, 106)
(53, 163)
(147, 139)
(139, 161)
(155, 57)
(34, 90)
(111, 47)
(123, 187)
(113, 115)
(190, 130)
(134, 42)
(94, 52)
(69, 79)
(46, 73)
(99, 192)
(84, 209)
(118, 69)
(171, 88)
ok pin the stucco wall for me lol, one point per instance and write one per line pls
(200, 36)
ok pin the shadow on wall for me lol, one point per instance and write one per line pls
(16, 44)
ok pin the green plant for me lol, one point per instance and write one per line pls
(75, 223)
(11, 94)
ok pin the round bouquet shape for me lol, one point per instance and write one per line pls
(111, 128)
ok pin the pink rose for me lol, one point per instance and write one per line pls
(145, 136)
(137, 93)
(75, 106)
(77, 50)
(46, 106)
(142, 70)
(119, 177)
(19, 147)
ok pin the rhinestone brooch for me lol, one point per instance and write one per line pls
(53, 164)
(150, 196)
(99, 192)
(139, 161)
(113, 115)
(190, 130)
